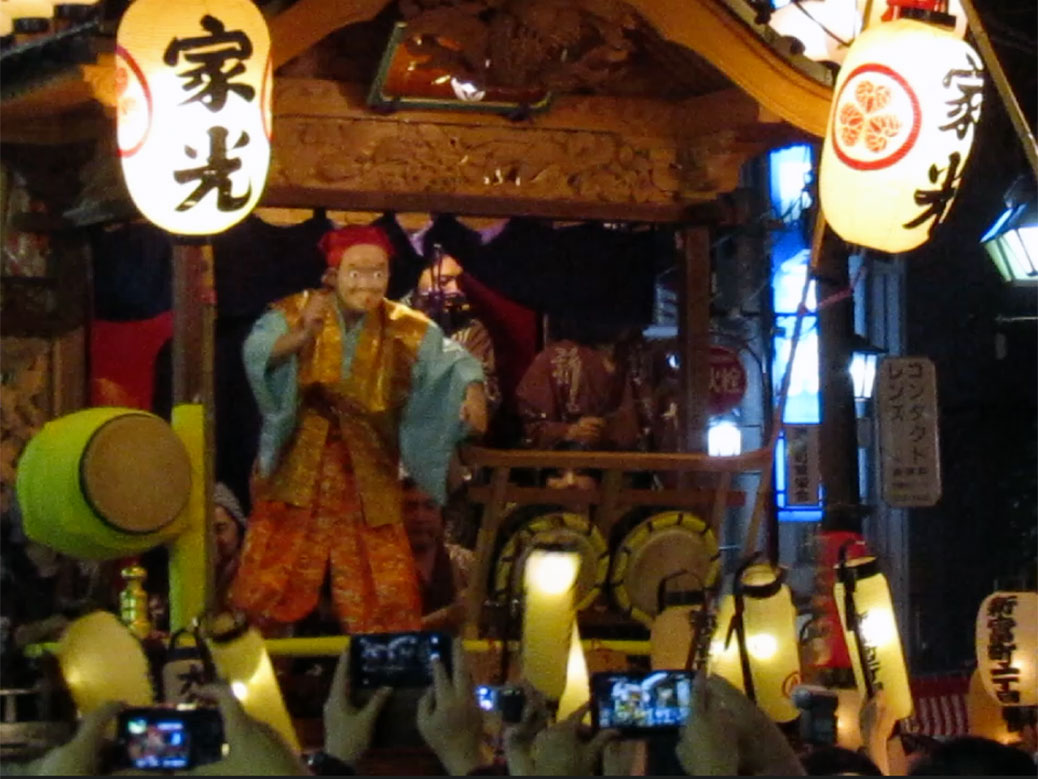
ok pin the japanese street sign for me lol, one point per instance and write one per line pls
(803, 473)
(906, 403)
(727, 380)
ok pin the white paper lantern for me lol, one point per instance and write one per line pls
(1007, 647)
(769, 651)
(193, 79)
(871, 633)
(549, 612)
(904, 111)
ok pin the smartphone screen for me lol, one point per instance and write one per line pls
(641, 702)
(162, 739)
(396, 659)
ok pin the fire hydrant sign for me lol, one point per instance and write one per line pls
(802, 467)
(906, 402)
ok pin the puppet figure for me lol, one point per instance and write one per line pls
(349, 384)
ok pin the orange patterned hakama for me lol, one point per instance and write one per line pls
(288, 550)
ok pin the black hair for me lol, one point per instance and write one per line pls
(973, 756)
(833, 760)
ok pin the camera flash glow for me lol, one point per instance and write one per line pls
(240, 690)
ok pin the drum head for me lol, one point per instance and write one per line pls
(661, 546)
(135, 473)
(553, 528)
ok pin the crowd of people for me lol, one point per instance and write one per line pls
(725, 734)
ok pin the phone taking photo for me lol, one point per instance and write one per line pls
(648, 703)
(168, 739)
(396, 659)
(506, 700)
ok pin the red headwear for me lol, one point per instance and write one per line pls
(335, 242)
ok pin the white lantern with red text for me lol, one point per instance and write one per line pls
(193, 81)
(904, 111)
(1007, 647)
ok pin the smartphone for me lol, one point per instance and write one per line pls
(168, 739)
(653, 702)
(506, 700)
(402, 661)
(396, 659)
(817, 714)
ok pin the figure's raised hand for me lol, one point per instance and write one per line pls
(586, 430)
(318, 306)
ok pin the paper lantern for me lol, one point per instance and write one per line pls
(193, 79)
(241, 660)
(904, 111)
(102, 661)
(755, 645)
(672, 631)
(823, 27)
(1007, 647)
(870, 630)
(578, 686)
(549, 580)
(984, 714)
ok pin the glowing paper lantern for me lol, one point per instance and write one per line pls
(902, 121)
(824, 27)
(242, 661)
(193, 79)
(1007, 647)
(984, 714)
(671, 634)
(548, 617)
(759, 656)
(867, 615)
(578, 687)
(102, 661)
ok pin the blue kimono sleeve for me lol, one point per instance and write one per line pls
(275, 388)
(431, 427)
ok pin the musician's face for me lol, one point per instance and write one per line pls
(363, 278)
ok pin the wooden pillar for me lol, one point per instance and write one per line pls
(194, 317)
(694, 337)
(838, 432)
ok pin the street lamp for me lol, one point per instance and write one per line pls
(1012, 241)
(864, 357)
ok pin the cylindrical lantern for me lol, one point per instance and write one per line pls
(984, 714)
(904, 111)
(672, 631)
(870, 630)
(193, 79)
(548, 616)
(578, 686)
(241, 659)
(1007, 647)
(755, 645)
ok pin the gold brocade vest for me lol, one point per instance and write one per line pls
(365, 405)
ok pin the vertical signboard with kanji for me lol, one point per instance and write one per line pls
(802, 465)
(906, 403)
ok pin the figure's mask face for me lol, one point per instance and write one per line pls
(363, 278)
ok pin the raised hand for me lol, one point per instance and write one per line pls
(449, 718)
(347, 729)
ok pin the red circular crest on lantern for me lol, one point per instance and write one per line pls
(727, 380)
(133, 102)
(789, 683)
(876, 119)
